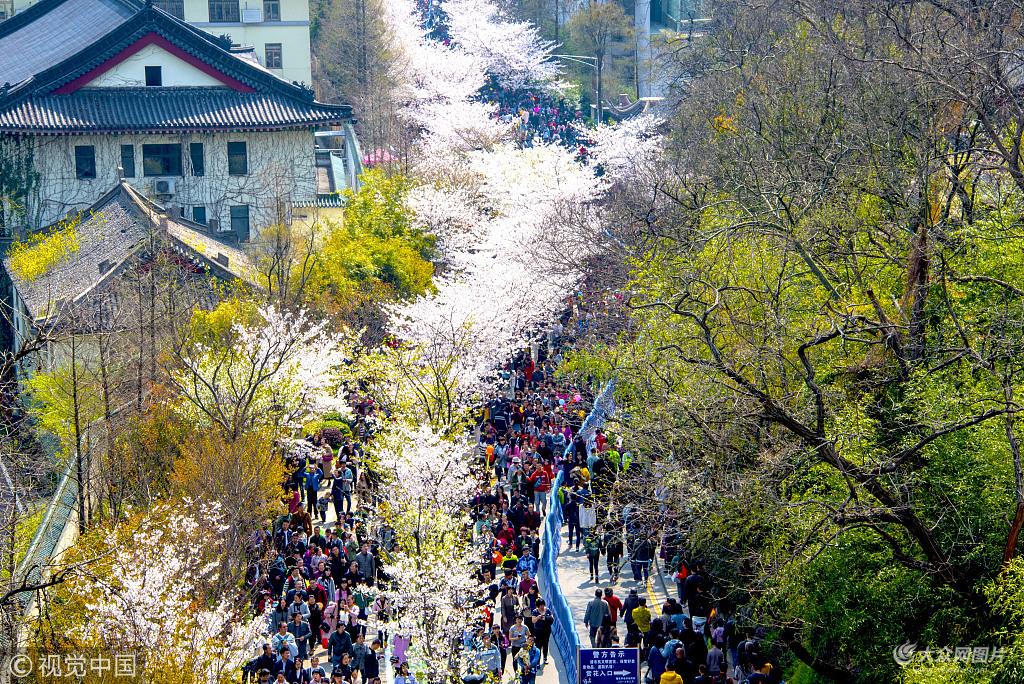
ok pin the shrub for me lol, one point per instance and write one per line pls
(333, 435)
(316, 427)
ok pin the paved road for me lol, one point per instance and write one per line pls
(574, 578)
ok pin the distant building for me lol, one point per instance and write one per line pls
(277, 30)
(94, 86)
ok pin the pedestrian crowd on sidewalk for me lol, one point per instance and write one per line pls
(689, 642)
(317, 570)
(523, 428)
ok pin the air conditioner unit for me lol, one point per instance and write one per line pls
(164, 186)
(252, 16)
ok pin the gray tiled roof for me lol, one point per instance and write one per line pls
(109, 232)
(164, 109)
(212, 249)
(57, 33)
(114, 233)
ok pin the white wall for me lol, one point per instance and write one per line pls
(281, 166)
(132, 71)
(292, 31)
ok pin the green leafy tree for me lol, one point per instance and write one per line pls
(600, 29)
(377, 243)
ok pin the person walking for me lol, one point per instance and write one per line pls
(612, 542)
(542, 622)
(572, 518)
(592, 546)
(311, 480)
(517, 634)
(597, 611)
(509, 609)
(527, 662)
(299, 629)
(642, 619)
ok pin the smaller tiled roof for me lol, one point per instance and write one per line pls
(113, 234)
(164, 109)
(226, 256)
(227, 259)
(108, 234)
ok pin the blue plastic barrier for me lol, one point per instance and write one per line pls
(563, 630)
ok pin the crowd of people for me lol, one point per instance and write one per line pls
(329, 618)
(536, 115)
(524, 427)
(318, 569)
(319, 576)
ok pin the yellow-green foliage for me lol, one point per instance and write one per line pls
(377, 242)
(56, 396)
(38, 255)
(210, 327)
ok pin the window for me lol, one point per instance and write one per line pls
(176, 8)
(199, 215)
(223, 11)
(240, 222)
(273, 60)
(238, 159)
(195, 152)
(85, 161)
(154, 76)
(128, 160)
(271, 10)
(161, 160)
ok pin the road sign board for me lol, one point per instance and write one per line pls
(609, 666)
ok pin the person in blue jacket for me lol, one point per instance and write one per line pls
(527, 662)
(528, 562)
(311, 480)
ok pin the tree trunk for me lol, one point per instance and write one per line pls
(558, 17)
(1010, 549)
(76, 415)
(836, 674)
(917, 288)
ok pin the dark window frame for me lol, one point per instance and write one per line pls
(238, 162)
(271, 10)
(199, 215)
(85, 162)
(167, 154)
(275, 50)
(176, 8)
(128, 161)
(237, 228)
(225, 11)
(154, 76)
(197, 152)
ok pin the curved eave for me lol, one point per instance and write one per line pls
(171, 130)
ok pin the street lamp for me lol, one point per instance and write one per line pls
(581, 59)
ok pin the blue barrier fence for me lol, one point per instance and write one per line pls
(567, 640)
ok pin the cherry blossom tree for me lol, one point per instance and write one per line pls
(513, 52)
(158, 596)
(496, 293)
(426, 485)
(440, 82)
(276, 369)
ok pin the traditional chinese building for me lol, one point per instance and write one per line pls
(76, 278)
(276, 30)
(99, 90)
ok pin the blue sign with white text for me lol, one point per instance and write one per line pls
(609, 666)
